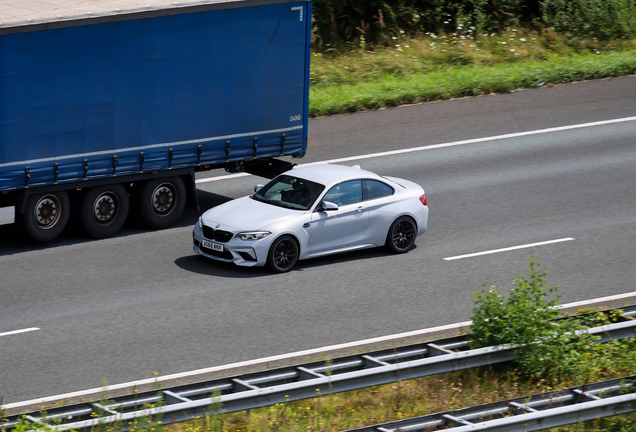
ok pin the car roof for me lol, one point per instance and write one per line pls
(328, 173)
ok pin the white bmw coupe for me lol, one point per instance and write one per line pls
(310, 212)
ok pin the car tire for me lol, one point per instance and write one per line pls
(160, 202)
(401, 236)
(46, 215)
(283, 254)
(104, 210)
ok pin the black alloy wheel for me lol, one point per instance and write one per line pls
(283, 254)
(401, 235)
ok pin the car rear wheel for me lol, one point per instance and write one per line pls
(283, 254)
(401, 236)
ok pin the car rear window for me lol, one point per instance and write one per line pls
(375, 189)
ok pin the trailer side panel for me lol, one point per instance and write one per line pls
(120, 98)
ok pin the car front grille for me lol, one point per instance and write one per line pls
(222, 236)
(217, 235)
(208, 232)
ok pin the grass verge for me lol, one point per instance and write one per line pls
(467, 81)
(439, 68)
(417, 397)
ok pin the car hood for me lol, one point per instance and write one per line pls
(245, 214)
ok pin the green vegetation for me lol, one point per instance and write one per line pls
(377, 53)
(457, 65)
(340, 24)
(602, 19)
(343, 411)
(550, 350)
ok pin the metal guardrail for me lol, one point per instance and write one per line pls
(260, 389)
(528, 413)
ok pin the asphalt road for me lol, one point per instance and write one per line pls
(121, 308)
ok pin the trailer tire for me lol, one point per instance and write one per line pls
(160, 202)
(104, 210)
(46, 215)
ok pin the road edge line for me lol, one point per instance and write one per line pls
(231, 366)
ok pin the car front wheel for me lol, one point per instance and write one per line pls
(401, 236)
(283, 254)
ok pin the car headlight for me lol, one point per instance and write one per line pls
(252, 235)
(200, 223)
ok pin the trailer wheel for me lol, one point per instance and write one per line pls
(46, 215)
(161, 201)
(104, 210)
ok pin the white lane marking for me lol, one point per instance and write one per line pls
(599, 300)
(508, 249)
(265, 360)
(223, 177)
(13, 332)
(450, 144)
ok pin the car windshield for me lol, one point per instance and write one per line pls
(289, 192)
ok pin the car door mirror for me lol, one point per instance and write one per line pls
(328, 206)
(258, 187)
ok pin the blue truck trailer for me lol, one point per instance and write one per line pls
(108, 108)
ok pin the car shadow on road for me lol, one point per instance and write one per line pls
(209, 267)
(365, 254)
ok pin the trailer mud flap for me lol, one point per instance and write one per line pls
(268, 168)
(7, 215)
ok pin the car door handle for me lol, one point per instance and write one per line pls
(306, 224)
(360, 208)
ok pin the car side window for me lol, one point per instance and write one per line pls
(345, 193)
(375, 189)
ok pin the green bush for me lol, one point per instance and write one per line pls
(602, 19)
(548, 349)
(377, 22)
(521, 318)
(488, 15)
(364, 24)
(340, 22)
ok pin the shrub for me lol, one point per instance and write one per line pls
(365, 24)
(547, 349)
(377, 22)
(490, 15)
(520, 318)
(340, 22)
(601, 19)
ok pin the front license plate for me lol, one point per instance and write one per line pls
(211, 245)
